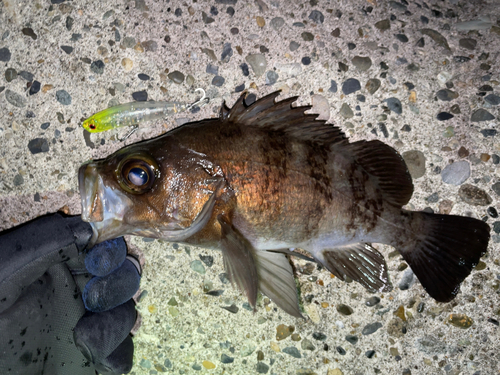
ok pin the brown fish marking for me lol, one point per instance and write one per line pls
(267, 176)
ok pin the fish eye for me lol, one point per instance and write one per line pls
(137, 173)
(92, 126)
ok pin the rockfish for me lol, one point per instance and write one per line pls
(266, 177)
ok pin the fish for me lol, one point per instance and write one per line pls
(265, 177)
(134, 113)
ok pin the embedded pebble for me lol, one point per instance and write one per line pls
(208, 365)
(293, 351)
(496, 188)
(316, 16)
(394, 105)
(262, 368)
(212, 69)
(483, 23)
(38, 145)
(258, 63)
(271, 77)
(468, 43)
(224, 358)
(372, 301)
(402, 38)
(443, 116)
(481, 115)
(18, 180)
(489, 132)
(207, 259)
(63, 97)
(319, 336)
(67, 49)
(456, 173)
(127, 64)
(362, 63)
(492, 99)
(460, 320)
(277, 23)
(227, 52)
(344, 309)
(26, 75)
(176, 76)
(350, 85)
(218, 81)
(352, 339)
(283, 331)
(15, 99)
(5, 54)
(150, 45)
(436, 37)
(10, 74)
(346, 111)
(28, 31)
(247, 348)
(140, 96)
(383, 25)
(294, 46)
(197, 266)
(307, 36)
(97, 67)
(407, 280)
(415, 161)
(473, 195)
(307, 345)
(446, 95)
(371, 328)
(372, 85)
(333, 86)
(306, 60)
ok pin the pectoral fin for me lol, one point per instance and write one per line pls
(361, 262)
(276, 281)
(239, 260)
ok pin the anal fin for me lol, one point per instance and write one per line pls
(239, 260)
(361, 262)
(276, 281)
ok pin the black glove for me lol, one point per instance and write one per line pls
(47, 326)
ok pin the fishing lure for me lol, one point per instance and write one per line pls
(132, 114)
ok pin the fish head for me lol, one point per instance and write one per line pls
(91, 125)
(148, 191)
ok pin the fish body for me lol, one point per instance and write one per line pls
(265, 177)
(130, 114)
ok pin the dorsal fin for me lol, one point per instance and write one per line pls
(282, 117)
(387, 165)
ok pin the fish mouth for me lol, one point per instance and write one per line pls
(103, 206)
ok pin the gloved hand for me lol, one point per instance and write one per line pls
(47, 326)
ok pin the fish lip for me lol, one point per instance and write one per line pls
(88, 185)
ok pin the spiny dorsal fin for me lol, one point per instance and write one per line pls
(387, 165)
(282, 117)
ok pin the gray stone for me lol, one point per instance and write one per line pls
(372, 301)
(10, 74)
(271, 77)
(397, 6)
(483, 23)
(212, 69)
(383, 25)
(307, 36)
(293, 351)
(26, 75)
(468, 43)
(307, 345)
(407, 279)
(492, 99)
(67, 49)
(456, 173)
(433, 198)
(262, 368)
(277, 23)
(176, 76)
(481, 115)
(350, 85)
(38, 145)
(346, 111)
(128, 42)
(344, 309)
(150, 46)
(18, 180)
(496, 188)
(258, 63)
(226, 359)
(197, 266)
(362, 63)
(63, 97)
(5, 54)
(473, 195)
(316, 16)
(15, 99)
(227, 52)
(430, 345)
(488, 132)
(218, 81)
(446, 95)
(294, 46)
(206, 19)
(97, 67)
(333, 86)
(415, 161)
(394, 105)
(371, 328)
(372, 85)
(436, 37)
(352, 339)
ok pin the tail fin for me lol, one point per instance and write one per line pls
(444, 251)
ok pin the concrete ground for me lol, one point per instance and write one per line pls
(422, 76)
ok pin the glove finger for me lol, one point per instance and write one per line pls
(106, 292)
(120, 361)
(97, 335)
(105, 257)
